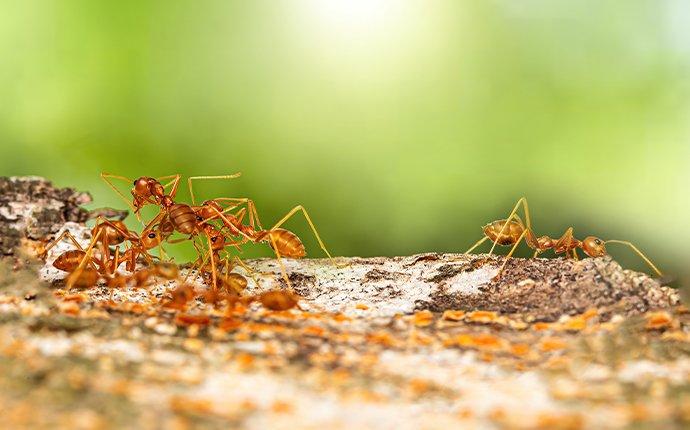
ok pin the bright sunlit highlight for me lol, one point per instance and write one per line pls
(354, 15)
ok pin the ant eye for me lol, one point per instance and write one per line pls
(152, 235)
(198, 218)
(597, 241)
(213, 239)
(135, 183)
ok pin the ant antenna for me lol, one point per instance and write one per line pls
(634, 248)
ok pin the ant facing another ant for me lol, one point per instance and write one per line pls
(511, 231)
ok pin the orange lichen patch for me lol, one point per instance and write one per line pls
(465, 413)
(485, 340)
(566, 421)
(236, 309)
(77, 298)
(382, 338)
(486, 357)
(188, 319)
(282, 407)
(186, 405)
(419, 387)
(288, 314)
(68, 308)
(557, 363)
(541, 326)
(271, 348)
(340, 376)
(423, 318)
(135, 308)
(242, 336)
(481, 341)
(361, 306)
(482, 317)
(266, 328)
(97, 313)
(323, 358)
(229, 324)
(313, 330)
(119, 387)
(590, 313)
(517, 324)
(658, 320)
(420, 339)
(193, 345)
(244, 360)
(453, 315)
(574, 324)
(340, 318)
(520, 366)
(519, 349)
(368, 360)
(549, 344)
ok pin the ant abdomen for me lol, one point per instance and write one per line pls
(503, 234)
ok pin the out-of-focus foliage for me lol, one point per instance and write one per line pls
(402, 126)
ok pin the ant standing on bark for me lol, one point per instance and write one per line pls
(511, 231)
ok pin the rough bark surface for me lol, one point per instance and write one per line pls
(30, 207)
(423, 341)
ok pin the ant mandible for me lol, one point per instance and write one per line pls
(511, 231)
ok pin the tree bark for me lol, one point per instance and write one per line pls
(428, 340)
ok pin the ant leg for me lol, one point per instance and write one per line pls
(254, 220)
(253, 215)
(313, 229)
(105, 177)
(575, 254)
(175, 182)
(201, 260)
(634, 248)
(227, 222)
(58, 239)
(512, 250)
(213, 263)
(63, 235)
(192, 178)
(482, 240)
(87, 256)
(525, 207)
(283, 271)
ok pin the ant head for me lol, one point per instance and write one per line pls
(593, 246)
(150, 239)
(141, 185)
(216, 237)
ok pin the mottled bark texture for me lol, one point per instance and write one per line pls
(31, 207)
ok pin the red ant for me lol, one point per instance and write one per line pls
(106, 234)
(284, 242)
(511, 231)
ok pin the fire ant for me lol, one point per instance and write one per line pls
(284, 242)
(105, 233)
(511, 231)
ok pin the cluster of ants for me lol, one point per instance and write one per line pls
(212, 227)
(228, 222)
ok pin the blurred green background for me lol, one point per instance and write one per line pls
(402, 126)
